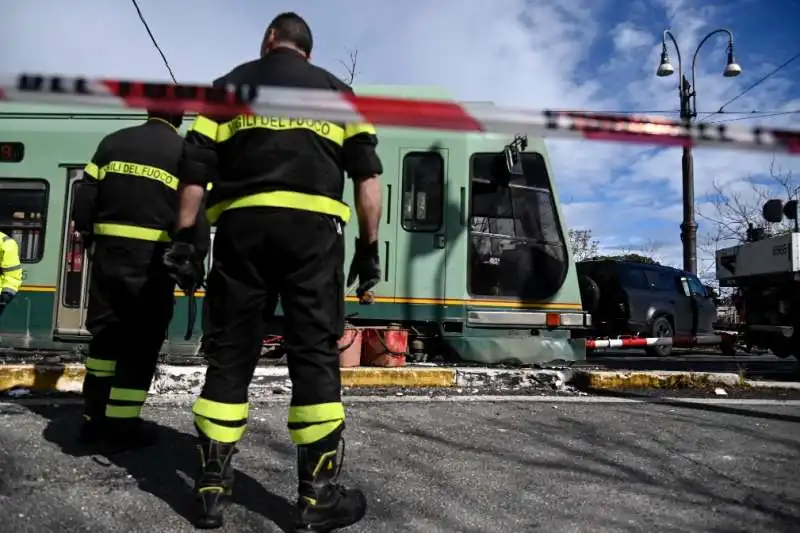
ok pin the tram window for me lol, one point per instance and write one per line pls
(517, 249)
(23, 215)
(74, 255)
(423, 191)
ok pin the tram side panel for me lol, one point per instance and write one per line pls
(35, 199)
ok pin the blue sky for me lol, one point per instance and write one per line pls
(566, 54)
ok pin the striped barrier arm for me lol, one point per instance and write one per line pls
(678, 342)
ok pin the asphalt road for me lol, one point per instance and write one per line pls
(471, 467)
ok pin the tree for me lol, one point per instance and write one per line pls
(646, 253)
(734, 206)
(582, 245)
(635, 258)
(731, 210)
(350, 66)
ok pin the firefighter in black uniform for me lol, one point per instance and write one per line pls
(277, 203)
(126, 206)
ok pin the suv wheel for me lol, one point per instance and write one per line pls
(781, 349)
(660, 328)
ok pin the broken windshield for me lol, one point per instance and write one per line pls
(516, 246)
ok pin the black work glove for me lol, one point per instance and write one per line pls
(184, 262)
(6, 297)
(366, 266)
(87, 239)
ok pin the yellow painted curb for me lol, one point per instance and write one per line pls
(69, 378)
(609, 380)
(63, 378)
(398, 377)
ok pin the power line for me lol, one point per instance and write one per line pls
(152, 38)
(767, 115)
(756, 112)
(754, 85)
(667, 111)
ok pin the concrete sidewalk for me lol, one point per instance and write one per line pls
(456, 467)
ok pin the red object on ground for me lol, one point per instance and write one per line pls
(385, 347)
(350, 347)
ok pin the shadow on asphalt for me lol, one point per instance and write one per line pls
(163, 469)
(584, 453)
(712, 408)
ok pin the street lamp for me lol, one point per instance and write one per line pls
(688, 95)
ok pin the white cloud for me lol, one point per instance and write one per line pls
(628, 38)
(568, 54)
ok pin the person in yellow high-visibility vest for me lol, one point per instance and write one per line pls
(10, 270)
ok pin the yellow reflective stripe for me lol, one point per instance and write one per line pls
(219, 433)
(287, 199)
(131, 232)
(328, 130)
(321, 412)
(123, 411)
(324, 460)
(104, 365)
(10, 268)
(141, 171)
(311, 434)
(98, 374)
(128, 395)
(351, 130)
(205, 127)
(92, 170)
(230, 412)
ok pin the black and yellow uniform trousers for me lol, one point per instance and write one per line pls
(131, 301)
(260, 254)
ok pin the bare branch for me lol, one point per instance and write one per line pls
(737, 205)
(582, 245)
(350, 66)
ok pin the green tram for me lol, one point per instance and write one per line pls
(475, 258)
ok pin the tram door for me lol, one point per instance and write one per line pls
(73, 285)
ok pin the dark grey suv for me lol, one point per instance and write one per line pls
(631, 298)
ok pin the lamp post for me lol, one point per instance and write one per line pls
(688, 98)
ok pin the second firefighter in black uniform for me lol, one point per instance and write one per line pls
(126, 206)
(277, 204)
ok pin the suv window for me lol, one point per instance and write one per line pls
(696, 287)
(659, 280)
(633, 277)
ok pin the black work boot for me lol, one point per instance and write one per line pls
(92, 431)
(128, 434)
(214, 485)
(324, 504)
(95, 393)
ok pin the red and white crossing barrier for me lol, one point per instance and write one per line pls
(678, 342)
(388, 111)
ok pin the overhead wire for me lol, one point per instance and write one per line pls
(664, 111)
(753, 86)
(767, 115)
(749, 114)
(153, 39)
